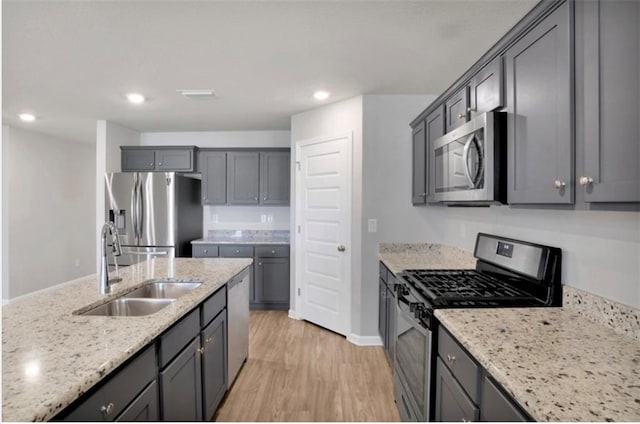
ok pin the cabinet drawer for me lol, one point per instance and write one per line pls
(212, 306)
(236, 251)
(118, 391)
(464, 369)
(204, 251)
(175, 339)
(383, 272)
(272, 251)
(496, 406)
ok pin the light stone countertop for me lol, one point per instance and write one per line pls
(398, 257)
(50, 357)
(557, 364)
(244, 237)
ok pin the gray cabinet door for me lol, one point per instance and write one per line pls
(145, 407)
(611, 101)
(486, 92)
(496, 406)
(138, 160)
(214, 364)
(434, 128)
(274, 178)
(214, 177)
(175, 160)
(539, 104)
(391, 322)
(457, 109)
(382, 312)
(272, 282)
(452, 404)
(419, 165)
(243, 176)
(181, 386)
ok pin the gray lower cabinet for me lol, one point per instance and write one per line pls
(181, 385)
(243, 178)
(419, 165)
(382, 311)
(457, 109)
(387, 311)
(275, 178)
(214, 364)
(539, 103)
(391, 320)
(486, 92)
(145, 407)
(155, 158)
(463, 389)
(213, 166)
(611, 95)
(272, 283)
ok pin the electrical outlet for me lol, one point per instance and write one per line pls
(214, 218)
(263, 218)
(269, 218)
(373, 225)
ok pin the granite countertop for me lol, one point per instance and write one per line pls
(557, 364)
(244, 237)
(399, 256)
(50, 357)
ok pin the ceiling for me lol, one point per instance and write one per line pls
(72, 62)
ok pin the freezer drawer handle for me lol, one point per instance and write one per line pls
(164, 253)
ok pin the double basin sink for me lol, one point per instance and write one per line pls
(145, 300)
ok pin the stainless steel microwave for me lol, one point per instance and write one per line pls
(468, 164)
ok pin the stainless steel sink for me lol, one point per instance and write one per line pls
(129, 307)
(162, 290)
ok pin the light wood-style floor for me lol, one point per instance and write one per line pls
(297, 371)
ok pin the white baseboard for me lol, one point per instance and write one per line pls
(364, 340)
(293, 315)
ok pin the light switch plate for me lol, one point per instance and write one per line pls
(373, 225)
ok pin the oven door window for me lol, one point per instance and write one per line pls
(412, 356)
(459, 165)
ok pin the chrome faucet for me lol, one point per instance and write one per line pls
(108, 227)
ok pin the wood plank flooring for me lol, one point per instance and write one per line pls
(297, 371)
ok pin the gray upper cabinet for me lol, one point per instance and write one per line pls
(419, 165)
(243, 178)
(539, 103)
(457, 109)
(155, 158)
(486, 93)
(434, 128)
(274, 178)
(611, 36)
(214, 177)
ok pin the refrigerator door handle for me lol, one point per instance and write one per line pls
(140, 211)
(134, 207)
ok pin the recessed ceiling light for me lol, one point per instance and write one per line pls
(27, 117)
(321, 95)
(135, 98)
(197, 93)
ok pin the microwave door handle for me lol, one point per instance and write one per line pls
(465, 160)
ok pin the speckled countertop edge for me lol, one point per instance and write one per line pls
(50, 357)
(556, 364)
(244, 237)
(400, 256)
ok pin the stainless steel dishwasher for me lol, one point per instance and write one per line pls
(238, 323)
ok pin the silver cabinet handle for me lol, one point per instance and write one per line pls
(159, 163)
(461, 116)
(108, 409)
(450, 358)
(264, 198)
(255, 198)
(205, 250)
(200, 350)
(209, 340)
(260, 263)
(273, 252)
(585, 181)
(341, 248)
(237, 251)
(151, 164)
(559, 184)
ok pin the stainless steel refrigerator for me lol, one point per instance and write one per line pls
(157, 214)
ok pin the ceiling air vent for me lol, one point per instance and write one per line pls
(198, 94)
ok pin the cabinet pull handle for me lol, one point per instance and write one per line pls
(585, 181)
(450, 358)
(200, 350)
(273, 252)
(558, 184)
(260, 263)
(108, 409)
(205, 251)
(159, 163)
(470, 109)
(255, 198)
(264, 198)
(209, 340)
(461, 116)
(151, 164)
(237, 251)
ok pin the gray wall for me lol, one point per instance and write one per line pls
(50, 208)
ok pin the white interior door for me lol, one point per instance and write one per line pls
(323, 239)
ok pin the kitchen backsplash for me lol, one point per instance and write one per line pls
(244, 218)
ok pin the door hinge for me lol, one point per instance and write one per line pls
(298, 291)
(298, 164)
(168, 181)
(298, 229)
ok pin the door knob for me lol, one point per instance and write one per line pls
(585, 181)
(341, 248)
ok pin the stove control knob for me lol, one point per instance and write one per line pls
(412, 307)
(403, 290)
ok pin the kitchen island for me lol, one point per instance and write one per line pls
(51, 356)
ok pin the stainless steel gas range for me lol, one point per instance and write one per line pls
(508, 273)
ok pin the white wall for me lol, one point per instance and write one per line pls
(49, 198)
(4, 214)
(109, 138)
(231, 217)
(336, 119)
